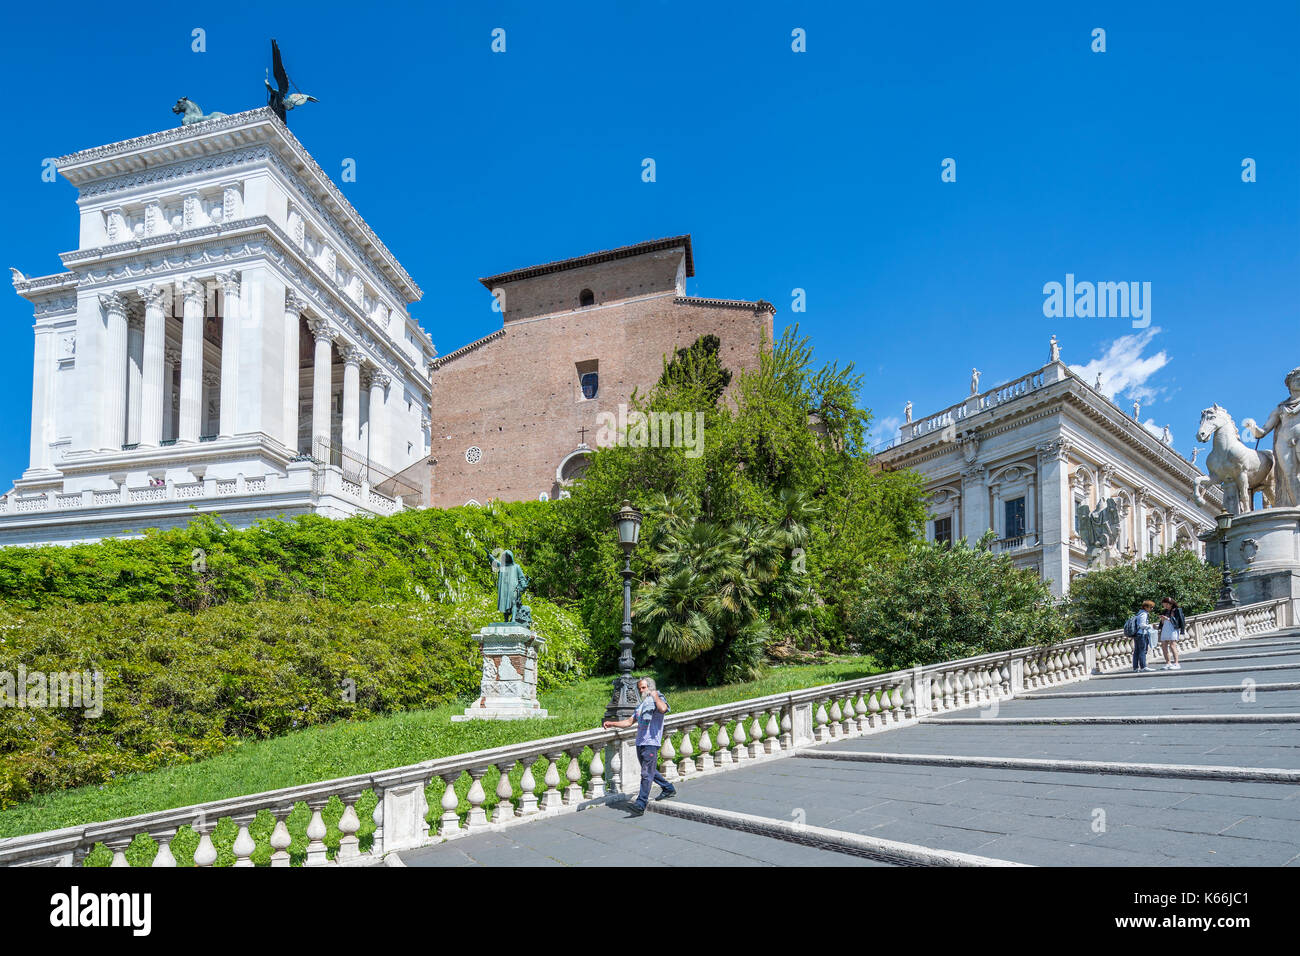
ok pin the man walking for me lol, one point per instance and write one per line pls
(649, 720)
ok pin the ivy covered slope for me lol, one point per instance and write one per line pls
(207, 636)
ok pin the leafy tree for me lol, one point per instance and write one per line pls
(936, 603)
(1103, 600)
(702, 611)
(700, 364)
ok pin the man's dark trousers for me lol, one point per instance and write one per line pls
(648, 758)
(1139, 652)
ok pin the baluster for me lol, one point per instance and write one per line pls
(756, 736)
(1005, 674)
(704, 762)
(669, 754)
(164, 856)
(476, 819)
(786, 739)
(909, 701)
(936, 694)
(873, 708)
(616, 767)
(722, 759)
(573, 774)
(349, 827)
(317, 852)
(280, 839)
(596, 783)
(896, 699)
(1031, 673)
(118, 845)
(528, 789)
(505, 808)
(850, 723)
(205, 854)
(244, 846)
(686, 766)
(968, 688)
(771, 735)
(833, 727)
(551, 798)
(820, 733)
(377, 840)
(949, 691)
(449, 822)
(860, 713)
(739, 752)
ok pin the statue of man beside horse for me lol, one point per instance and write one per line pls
(1244, 470)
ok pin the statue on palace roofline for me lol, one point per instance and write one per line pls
(974, 381)
(1055, 350)
(907, 412)
(190, 112)
(278, 97)
(1284, 423)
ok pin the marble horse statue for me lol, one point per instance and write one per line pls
(191, 113)
(1242, 470)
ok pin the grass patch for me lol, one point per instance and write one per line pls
(354, 747)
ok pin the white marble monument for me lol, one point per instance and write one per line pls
(228, 336)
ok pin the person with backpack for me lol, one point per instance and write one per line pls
(1138, 627)
(1173, 624)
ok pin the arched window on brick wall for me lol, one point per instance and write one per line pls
(585, 298)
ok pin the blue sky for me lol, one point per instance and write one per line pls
(817, 171)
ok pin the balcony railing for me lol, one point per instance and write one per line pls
(509, 785)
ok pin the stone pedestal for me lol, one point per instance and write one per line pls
(509, 687)
(1263, 554)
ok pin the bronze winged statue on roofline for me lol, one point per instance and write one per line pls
(279, 97)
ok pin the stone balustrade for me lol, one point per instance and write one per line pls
(331, 482)
(356, 820)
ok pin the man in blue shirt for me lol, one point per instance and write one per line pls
(649, 720)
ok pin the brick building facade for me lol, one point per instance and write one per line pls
(514, 414)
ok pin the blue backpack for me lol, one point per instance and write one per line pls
(1131, 627)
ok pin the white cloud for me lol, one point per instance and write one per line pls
(883, 429)
(1157, 430)
(1124, 368)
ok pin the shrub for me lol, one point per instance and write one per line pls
(179, 686)
(1102, 600)
(936, 603)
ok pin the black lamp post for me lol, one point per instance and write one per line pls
(628, 522)
(1227, 597)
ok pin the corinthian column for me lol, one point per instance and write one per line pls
(114, 393)
(134, 376)
(152, 393)
(321, 387)
(191, 406)
(293, 306)
(171, 359)
(229, 352)
(379, 453)
(351, 399)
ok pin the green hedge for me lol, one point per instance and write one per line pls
(180, 686)
(408, 556)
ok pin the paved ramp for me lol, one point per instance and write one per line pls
(1216, 747)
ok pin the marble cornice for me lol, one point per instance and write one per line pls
(221, 143)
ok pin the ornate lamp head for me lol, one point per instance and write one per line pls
(628, 521)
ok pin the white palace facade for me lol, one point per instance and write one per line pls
(1023, 458)
(228, 337)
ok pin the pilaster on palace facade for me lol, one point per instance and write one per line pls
(205, 346)
(1026, 458)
